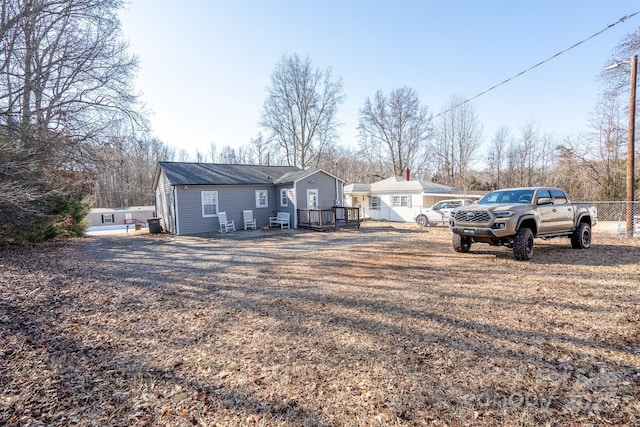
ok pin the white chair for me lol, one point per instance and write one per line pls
(249, 220)
(282, 219)
(226, 225)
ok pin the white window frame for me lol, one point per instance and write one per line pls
(262, 202)
(284, 198)
(374, 206)
(315, 192)
(110, 217)
(204, 198)
(401, 201)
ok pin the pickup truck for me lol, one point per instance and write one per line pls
(513, 217)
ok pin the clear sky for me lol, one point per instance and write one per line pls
(206, 64)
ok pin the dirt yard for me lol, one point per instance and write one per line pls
(382, 326)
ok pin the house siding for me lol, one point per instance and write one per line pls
(326, 186)
(232, 199)
(388, 212)
(291, 206)
(165, 204)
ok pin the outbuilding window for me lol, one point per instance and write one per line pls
(209, 203)
(107, 219)
(262, 199)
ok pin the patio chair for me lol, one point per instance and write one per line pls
(282, 219)
(225, 224)
(249, 220)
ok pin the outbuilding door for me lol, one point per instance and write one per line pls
(312, 199)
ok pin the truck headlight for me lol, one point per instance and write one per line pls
(503, 214)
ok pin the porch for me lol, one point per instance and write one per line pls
(329, 219)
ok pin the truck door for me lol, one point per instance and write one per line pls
(564, 211)
(546, 211)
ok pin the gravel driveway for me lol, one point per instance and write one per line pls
(382, 326)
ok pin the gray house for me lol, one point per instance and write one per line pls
(190, 195)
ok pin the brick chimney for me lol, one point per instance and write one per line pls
(405, 174)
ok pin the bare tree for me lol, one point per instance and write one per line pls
(300, 109)
(228, 155)
(523, 162)
(459, 135)
(610, 136)
(497, 157)
(348, 164)
(124, 170)
(68, 72)
(64, 87)
(616, 80)
(608, 126)
(574, 171)
(213, 151)
(183, 156)
(395, 131)
(528, 158)
(260, 151)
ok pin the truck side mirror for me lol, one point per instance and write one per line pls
(545, 200)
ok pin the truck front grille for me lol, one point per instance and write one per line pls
(472, 216)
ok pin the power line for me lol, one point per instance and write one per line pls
(624, 18)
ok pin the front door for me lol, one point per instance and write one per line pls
(546, 211)
(312, 199)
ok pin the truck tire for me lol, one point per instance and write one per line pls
(422, 220)
(581, 237)
(523, 244)
(461, 243)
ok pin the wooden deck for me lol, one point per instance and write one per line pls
(329, 219)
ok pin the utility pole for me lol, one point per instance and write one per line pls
(631, 153)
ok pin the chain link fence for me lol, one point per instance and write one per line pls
(612, 217)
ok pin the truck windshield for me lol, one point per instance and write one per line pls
(507, 196)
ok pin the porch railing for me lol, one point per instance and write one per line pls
(331, 218)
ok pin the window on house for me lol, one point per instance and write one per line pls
(402, 201)
(209, 203)
(284, 198)
(107, 219)
(374, 203)
(262, 199)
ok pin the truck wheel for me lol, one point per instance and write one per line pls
(581, 237)
(461, 243)
(523, 244)
(422, 220)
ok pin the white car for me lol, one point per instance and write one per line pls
(439, 213)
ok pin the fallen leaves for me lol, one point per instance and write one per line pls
(384, 326)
